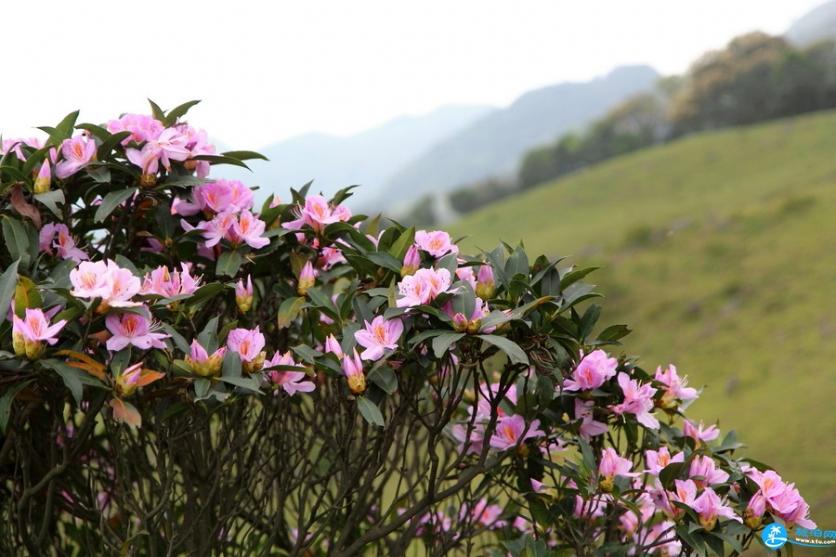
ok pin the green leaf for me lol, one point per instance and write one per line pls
(231, 365)
(73, 378)
(156, 111)
(573, 276)
(111, 201)
(515, 353)
(8, 283)
(248, 383)
(385, 260)
(17, 240)
(613, 333)
(63, 130)
(401, 245)
(51, 199)
(175, 113)
(220, 159)
(442, 342)
(370, 411)
(244, 155)
(6, 402)
(229, 263)
(288, 311)
(670, 473)
(385, 378)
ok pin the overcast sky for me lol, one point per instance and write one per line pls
(268, 70)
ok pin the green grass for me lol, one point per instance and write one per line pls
(720, 251)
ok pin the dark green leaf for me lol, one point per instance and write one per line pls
(442, 342)
(370, 411)
(229, 263)
(111, 201)
(6, 402)
(511, 348)
(288, 311)
(8, 282)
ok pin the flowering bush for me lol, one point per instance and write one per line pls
(184, 373)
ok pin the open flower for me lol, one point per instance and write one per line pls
(76, 153)
(56, 236)
(593, 371)
(613, 465)
(423, 287)
(710, 507)
(135, 377)
(657, 460)
(290, 381)
(249, 344)
(676, 387)
(133, 329)
(203, 364)
(704, 472)
(511, 431)
(249, 229)
(29, 333)
(638, 400)
(318, 213)
(589, 426)
(143, 127)
(378, 336)
(699, 433)
(163, 282)
(436, 242)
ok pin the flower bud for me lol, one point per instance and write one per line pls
(147, 180)
(353, 369)
(485, 284)
(44, 179)
(332, 345)
(460, 322)
(254, 365)
(411, 261)
(244, 295)
(307, 278)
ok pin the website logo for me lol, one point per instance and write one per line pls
(774, 536)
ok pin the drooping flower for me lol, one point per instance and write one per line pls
(710, 507)
(511, 431)
(249, 344)
(780, 498)
(378, 336)
(593, 371)
(76, 153)
(638, 400)
(436, 242)
(15, 145)
(30, 332)
(353, 370)
(244, 294)
(411, 261)
(290, 381)
(134, 377)
(423, 287)
(133, 329)
(203, 364)
(307, 278)
(676, 387)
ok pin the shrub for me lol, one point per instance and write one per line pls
(181, 375)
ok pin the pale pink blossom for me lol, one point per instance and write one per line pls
(76, 153)
(676, 388)
(32, 330)
(593, 371)
(411, 261)
(472, 443)
(89, 280)
(247, 343)
(423, 287)
(589, 426)
(244, 294)
(163, 282)
(318, 213)
(249, 229)
(330, 256)
(638, 400)
(132, 329)
(307, 278)
(511, 431)
(657, 460)
(780, 498)
(15, 145)
(435, 242)
(353, 369)
(467, 275)
(699, 432)
(142, 127)
(710, 507)
(332, 345)
(704, 472)
(290, 381)
(57, 236)
(613, 465)
(485, 283)
(483, 513)
(202, 363)
(378, 336)
(121, 286)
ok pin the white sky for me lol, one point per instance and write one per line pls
(267, 70)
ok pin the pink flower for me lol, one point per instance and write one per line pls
(782, 499)
(249, 229)
(135, 377)
(677, 389)
(318, 214)
(465, 274)
(657, 536)
(472, 323)
(146, 158)
(483, 513)
(638, 400)
(214, 196)
(486, 399)
(133, 329)
(485, 284)
(201, 363)
(330, 256)
(436, 242)
(613, 465)
(593, 371)
(710, 507)
(699, 433)
(685, 492)
(216, 229)
(142, 127)
(353, 370)
(64, 244)
(120, 286)
(244, 294)
(472, 443)
(44, 178)
(307, 278)
(704, 472)
(411, 261)
(511, 431)
(89, 280)
(291, 381)
(15, 145)
(76, 152)
(163, 282)
(589, 426)
(247, 343)
(29, 333)
(378, 336)
(657, 460)
(423, 287)
(332, 345)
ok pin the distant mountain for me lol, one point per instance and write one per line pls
(818, 24)
(493, 144)
(368, 158)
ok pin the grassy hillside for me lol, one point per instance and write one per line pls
(720, 251)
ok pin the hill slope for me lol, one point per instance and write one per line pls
(818, 24)
(719, 251)
(368, 158)
(493, 144)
